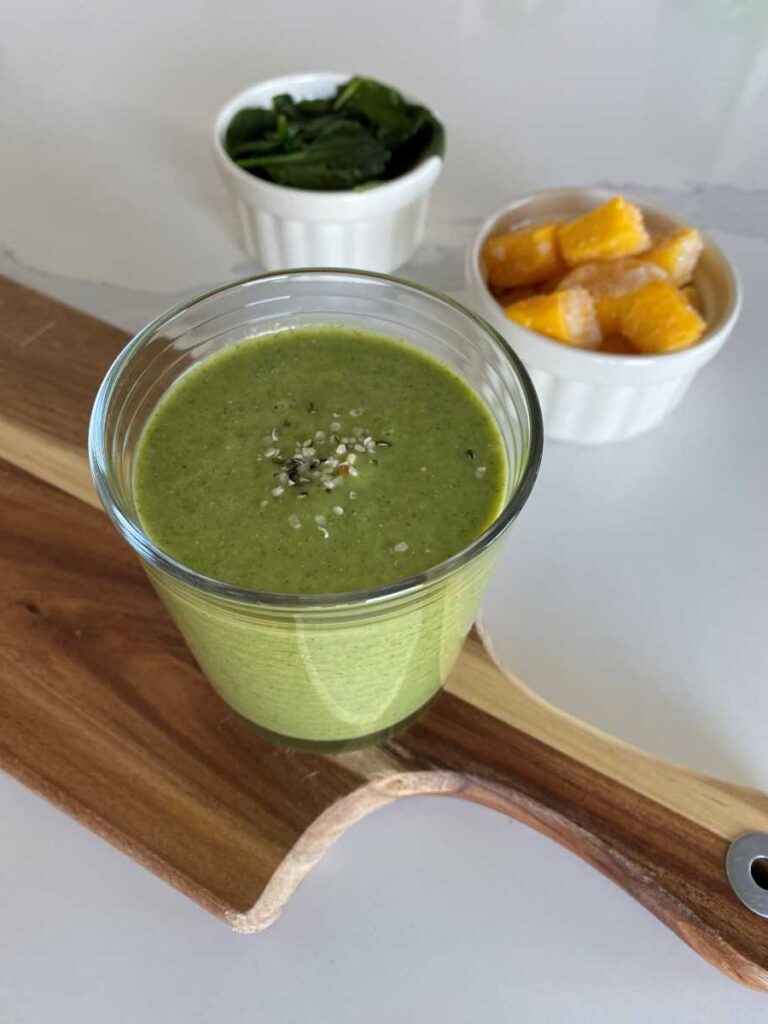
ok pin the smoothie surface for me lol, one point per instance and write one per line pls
(318, 460)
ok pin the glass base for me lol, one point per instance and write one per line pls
(336, 746)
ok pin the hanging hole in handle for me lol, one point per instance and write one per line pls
(759, 871)
(746, 864)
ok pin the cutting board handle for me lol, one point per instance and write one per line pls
(661, 832)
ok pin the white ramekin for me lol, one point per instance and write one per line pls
(375, 229)
(593, 397)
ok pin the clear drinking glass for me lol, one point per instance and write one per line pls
(330, 671)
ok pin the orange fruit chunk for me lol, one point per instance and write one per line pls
(609, 283)
(608, 313)
(612, 230)
(677, 254)
(567, 316)
(526, 256)
(658, 318)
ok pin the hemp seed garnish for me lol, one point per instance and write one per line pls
(322, 461)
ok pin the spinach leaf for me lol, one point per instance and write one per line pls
(427, 138)
(341, 157)
(364, 134)
(383, 107)
(261, 147)
(248, 125)
(313, 108)
(284, 104)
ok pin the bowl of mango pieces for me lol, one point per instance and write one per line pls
(614, 306)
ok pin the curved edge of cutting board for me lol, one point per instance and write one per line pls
(740, 962)
(329, 827)
(663, 842)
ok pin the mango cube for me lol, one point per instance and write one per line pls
(677, 254)
(658, 318)
(567, 316)
(526, 256)
(612, 230)
(608, 313)
(609, 283)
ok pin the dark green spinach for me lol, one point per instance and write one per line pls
(364, 134)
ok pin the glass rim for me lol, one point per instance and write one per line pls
(159, 559)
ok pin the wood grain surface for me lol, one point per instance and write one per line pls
(104, 712)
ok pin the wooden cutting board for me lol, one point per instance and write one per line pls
(103, 711)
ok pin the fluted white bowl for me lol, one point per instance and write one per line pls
(375, 229)
(595, 397)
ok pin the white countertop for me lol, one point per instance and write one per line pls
(633, 589)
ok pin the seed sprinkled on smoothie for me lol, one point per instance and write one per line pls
(322, 460)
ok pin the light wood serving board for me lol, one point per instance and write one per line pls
(103, 711)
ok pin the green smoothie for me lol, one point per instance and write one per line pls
(318, 461)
